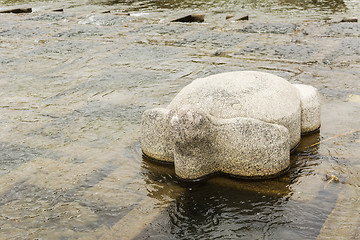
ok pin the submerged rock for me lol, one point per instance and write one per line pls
(191, 18)
(244, 18)
(238, 123)
(349, 20)
(17, 10)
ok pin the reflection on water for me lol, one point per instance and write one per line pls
(323, 5)
(235, 5)
(220, 207)
(14, 2)
(212, 212)
(279, 8)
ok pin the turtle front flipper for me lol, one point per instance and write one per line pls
(242, 147)
(155, 141)
(310, 108)
(251, 148)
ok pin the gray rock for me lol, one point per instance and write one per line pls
(276, 28)
(239, 123)
(297, 51)
(343, 29)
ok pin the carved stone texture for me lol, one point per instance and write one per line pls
(240, 123)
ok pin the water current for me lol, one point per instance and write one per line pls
(73, 86)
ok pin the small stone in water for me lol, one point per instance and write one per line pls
(244, 18)
(219, 53)
(354, 98)
(17, 10)
(198, 17)
(349, 20)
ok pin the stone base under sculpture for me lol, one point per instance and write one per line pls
(239, 123)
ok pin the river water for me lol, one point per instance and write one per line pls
(75, 83)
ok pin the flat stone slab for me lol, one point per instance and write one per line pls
(239, 123)
(291, 51)
(275, 28)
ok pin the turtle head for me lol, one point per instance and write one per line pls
(189, 125)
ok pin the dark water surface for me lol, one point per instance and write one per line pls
(75, 83)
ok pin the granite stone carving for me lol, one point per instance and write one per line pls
(241, 123)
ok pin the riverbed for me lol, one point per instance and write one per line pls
(74, 84)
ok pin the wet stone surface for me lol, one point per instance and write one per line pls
(214, 39)
(288, 51)
(12, 156)
(278, 28)
(343, 29)
(348, 50)
(50, 17)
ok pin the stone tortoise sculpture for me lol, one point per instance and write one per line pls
(241, 123)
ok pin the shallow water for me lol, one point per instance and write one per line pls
(75, 83)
